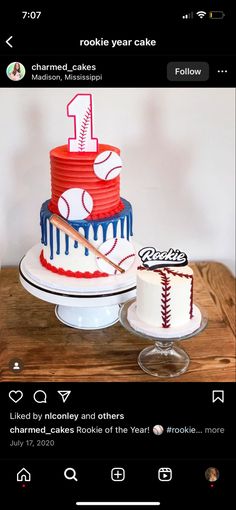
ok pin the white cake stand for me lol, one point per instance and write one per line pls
(81, 303)
(164, 359)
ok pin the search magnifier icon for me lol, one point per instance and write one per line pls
(70, 474)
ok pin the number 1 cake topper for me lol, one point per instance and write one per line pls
(80, 107)
(153, 259)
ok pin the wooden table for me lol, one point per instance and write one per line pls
(51, 351)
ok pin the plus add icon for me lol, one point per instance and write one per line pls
(118, 474)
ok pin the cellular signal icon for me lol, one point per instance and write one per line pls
(201, 14)
(188, 16)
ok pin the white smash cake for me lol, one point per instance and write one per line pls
(165, 296)
(164, 301)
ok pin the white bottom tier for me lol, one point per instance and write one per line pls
(83, 304)
(33, 269)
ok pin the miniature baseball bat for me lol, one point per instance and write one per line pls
(64, 226)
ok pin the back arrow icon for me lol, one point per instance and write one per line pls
(7, 41)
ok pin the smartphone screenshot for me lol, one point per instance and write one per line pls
(117, 257)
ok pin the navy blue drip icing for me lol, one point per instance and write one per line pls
(114, 229)
(95, 231)
(67, 244)
(122, 222)
(51, 240)
(124, 218)
(58, 241)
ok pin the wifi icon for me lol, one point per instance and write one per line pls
(201, 14)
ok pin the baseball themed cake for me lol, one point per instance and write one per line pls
(164, 294)
(85, 195)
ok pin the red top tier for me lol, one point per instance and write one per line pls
(75, 170)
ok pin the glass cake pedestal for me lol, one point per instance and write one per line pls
(164, 359)
(80, 303)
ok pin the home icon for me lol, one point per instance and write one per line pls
(23, 475)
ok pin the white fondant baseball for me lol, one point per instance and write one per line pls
(107, 165)
(118, 250)
(75, 204)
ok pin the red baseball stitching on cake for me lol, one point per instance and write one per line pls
(84, 128)
(191, 299)
(68, 272)
(68, 206)
(112, 248)
(143, 268)
(125, 258)
(182, 275)
(103, 161)
(165, 298)
(115, 167)
(82, 198)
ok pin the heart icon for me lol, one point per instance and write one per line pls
(15, 395)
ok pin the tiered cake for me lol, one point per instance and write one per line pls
(85, 186)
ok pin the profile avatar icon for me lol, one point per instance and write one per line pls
(15, 71)
(16, 365)
(212, 474)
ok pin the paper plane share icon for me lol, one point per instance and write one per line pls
(64, 394)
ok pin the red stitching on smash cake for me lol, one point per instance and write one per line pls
(165, 299)
(84, 129)
(74, 274)
(183, 275)
(174, 273)
(191, 299)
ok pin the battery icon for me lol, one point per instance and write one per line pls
(216, 14)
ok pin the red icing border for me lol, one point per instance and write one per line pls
(74, 274)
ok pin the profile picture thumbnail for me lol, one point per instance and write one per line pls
(212, 474)
(15, 71)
